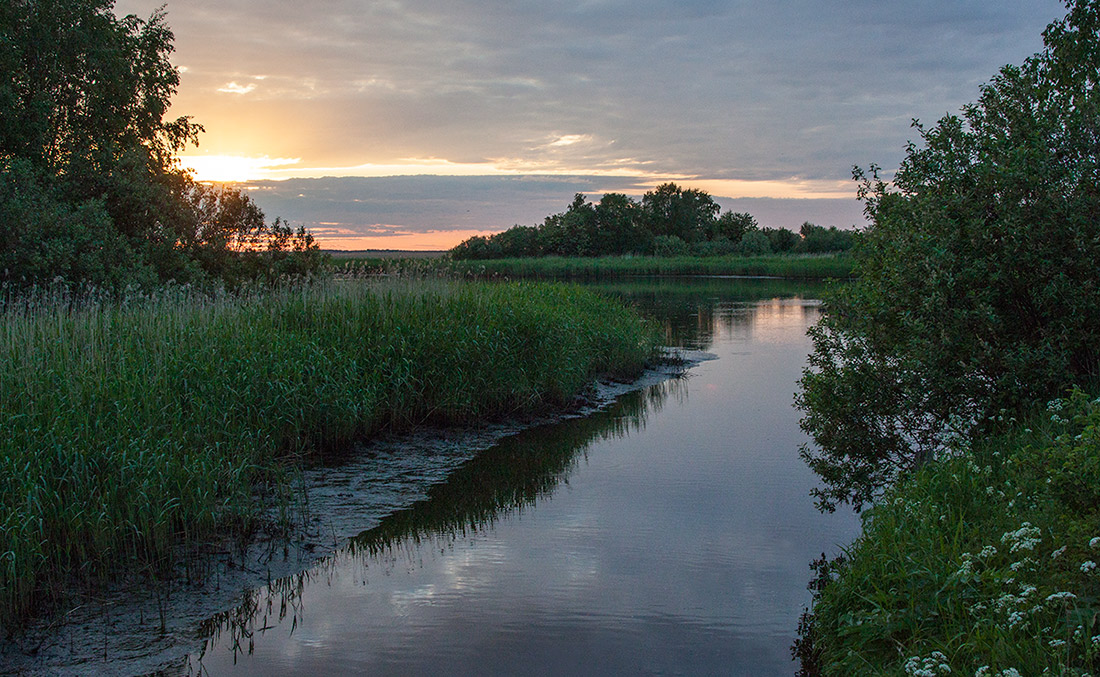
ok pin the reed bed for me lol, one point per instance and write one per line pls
(790, 266)
(133, 428)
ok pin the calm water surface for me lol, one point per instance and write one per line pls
(668, 534)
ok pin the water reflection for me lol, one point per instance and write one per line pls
(692, 310)
(501, 481)
(668, 534)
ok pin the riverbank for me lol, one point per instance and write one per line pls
(790, 266)
(983, 564)
(135, 429)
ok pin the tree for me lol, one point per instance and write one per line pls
(617, 225)
(733, 226)
(92, 192)
(817, 239)
(978, 291)
(683, 213)
(781, 239)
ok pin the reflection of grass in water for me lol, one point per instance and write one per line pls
(511, 475)
(131, 428)
(504, 479)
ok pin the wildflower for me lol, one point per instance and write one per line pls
(987, 551)
(1024, 538)
(936, 664)
(1057, 643)
(1087, 566)
(1058, 553)
(1094, 543)
(1061, 597)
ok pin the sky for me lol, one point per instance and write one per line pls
(412, 124)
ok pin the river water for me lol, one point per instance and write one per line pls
(668, 534)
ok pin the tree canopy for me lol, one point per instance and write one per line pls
(90, 191)
(978, 292)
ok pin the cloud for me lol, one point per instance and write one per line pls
(750, 100)
(569, 140)
(736, 91)
(234, 88)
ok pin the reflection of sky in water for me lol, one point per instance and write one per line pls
(681, 546)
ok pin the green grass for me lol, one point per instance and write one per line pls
(986, 560)
(816, 267)
(134, 428)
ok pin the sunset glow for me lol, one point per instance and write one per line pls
(766, 110)
(235, 168)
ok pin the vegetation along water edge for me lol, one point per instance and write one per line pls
(135, 428)
(951, 390)
(835, 265)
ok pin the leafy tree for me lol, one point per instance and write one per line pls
(817, 239)
(978, 291)
(754, 243)
(91, 193)
(685, 213)
(781, 239)
(733, 226)
(618, 225)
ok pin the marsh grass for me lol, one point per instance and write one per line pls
(134, 428)
(791, 266)
(982, 564)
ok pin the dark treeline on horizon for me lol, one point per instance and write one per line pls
(669, 221)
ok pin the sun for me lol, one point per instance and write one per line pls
(234, 168)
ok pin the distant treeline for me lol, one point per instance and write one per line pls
(669, 221)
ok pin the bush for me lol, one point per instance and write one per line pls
(755, 243)
(978, 289)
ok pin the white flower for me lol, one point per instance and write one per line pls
(1058, 553)
(1087, 566)
(1061, 597)
(987, 551)
(1024, 538)
(1095, 543)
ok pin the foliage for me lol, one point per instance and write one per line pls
(985, 562)
(669, 221)
(781, 239)
(755, 243)
(806, 267)
(978, 288)
(90, 192)
(134, 427)
(669, 245)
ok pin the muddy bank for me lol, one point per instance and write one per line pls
(141, 629)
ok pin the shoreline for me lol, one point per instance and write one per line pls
(149, 629)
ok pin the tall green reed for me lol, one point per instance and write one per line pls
(135, 427)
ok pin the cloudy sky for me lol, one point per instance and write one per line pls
(495, 112)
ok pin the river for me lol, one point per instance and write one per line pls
(670, 533)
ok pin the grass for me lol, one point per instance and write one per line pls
(134, 428)
(982, 564)
(793, 266)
